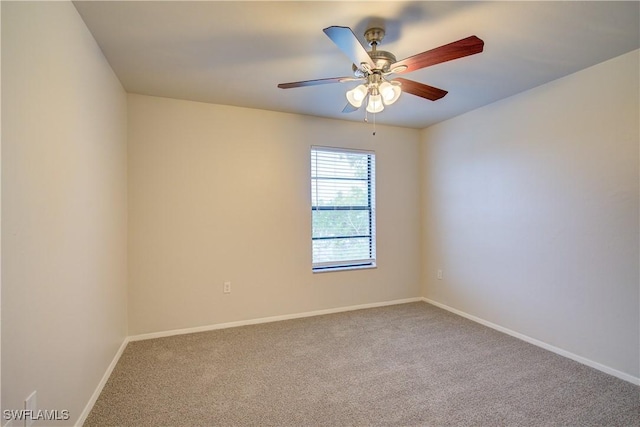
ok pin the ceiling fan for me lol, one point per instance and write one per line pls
(373, 69)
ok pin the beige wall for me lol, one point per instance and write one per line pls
(63, 208)
(530, 207)
(222, 193)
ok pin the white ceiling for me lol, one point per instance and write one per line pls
(235, 53)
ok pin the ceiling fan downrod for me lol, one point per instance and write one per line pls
(381, 59)
(373, 36)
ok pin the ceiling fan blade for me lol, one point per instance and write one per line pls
(349, 108)
(420, 89)
(344, 38)
(316, 82)
(465, 47)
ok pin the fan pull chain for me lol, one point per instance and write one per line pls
(374, 124)
(366, 120)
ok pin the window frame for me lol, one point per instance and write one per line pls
(349, 264)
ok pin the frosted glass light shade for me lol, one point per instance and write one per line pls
(375, 104)
(356, 96)
(390, 92)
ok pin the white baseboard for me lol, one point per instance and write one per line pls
(580, 359)
(267, 319)
(94, 397)
(544, 345)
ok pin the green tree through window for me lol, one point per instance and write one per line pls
(343, 208)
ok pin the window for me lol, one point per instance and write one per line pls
(343, 208)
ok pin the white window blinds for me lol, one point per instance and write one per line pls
(343, 208)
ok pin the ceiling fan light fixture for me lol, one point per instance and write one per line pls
(373, 67)
(356, 96)
(375, 104)
(390, 92)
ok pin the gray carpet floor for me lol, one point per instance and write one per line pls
(409, 364)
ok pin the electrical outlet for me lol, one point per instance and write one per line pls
(439, 274)
(30, 405)
(227, 288)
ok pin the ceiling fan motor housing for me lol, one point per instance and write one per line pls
(382, 60)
